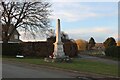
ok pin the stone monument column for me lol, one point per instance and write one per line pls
(58, 45)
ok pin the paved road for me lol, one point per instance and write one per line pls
(11, 70)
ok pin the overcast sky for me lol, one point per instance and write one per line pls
(82, 20)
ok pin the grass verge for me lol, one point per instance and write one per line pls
(80, 65)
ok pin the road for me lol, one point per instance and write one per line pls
(107, 61)
(11, 70)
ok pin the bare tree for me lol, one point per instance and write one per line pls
(31, 16)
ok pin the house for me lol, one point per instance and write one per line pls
(99, 46)
(15, 38)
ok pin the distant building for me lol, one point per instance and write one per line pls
(99, 46)
(15, 38)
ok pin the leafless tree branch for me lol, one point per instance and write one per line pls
(32, 16)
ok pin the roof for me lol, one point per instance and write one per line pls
(4, 28)
(99, 46)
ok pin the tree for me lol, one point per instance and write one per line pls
(64, 35)
(52, 36)
(50, 33)
(30, 16)
(91, 43)
(118, 43)
(113, 51)
(81, 44)
(109, 42)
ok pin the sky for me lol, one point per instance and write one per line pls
(82, 20)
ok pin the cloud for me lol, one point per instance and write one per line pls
(88, 30)
(75, 11)
(70, 16)
(100, 33)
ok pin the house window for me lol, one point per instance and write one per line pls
(16, 36)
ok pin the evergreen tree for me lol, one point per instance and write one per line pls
(91, 43)
(109, 42)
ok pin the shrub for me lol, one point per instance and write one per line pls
(113, 51)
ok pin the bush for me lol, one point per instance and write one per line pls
(113, 51)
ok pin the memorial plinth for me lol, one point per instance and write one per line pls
(58, 45)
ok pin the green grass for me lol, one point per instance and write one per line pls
(81, 65)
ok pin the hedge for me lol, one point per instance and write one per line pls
(44, 49)
(37, 49)
(10, 49)
(113, 51)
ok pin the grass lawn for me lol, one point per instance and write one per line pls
(81, 65)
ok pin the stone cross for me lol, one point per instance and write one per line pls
(58, 45)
